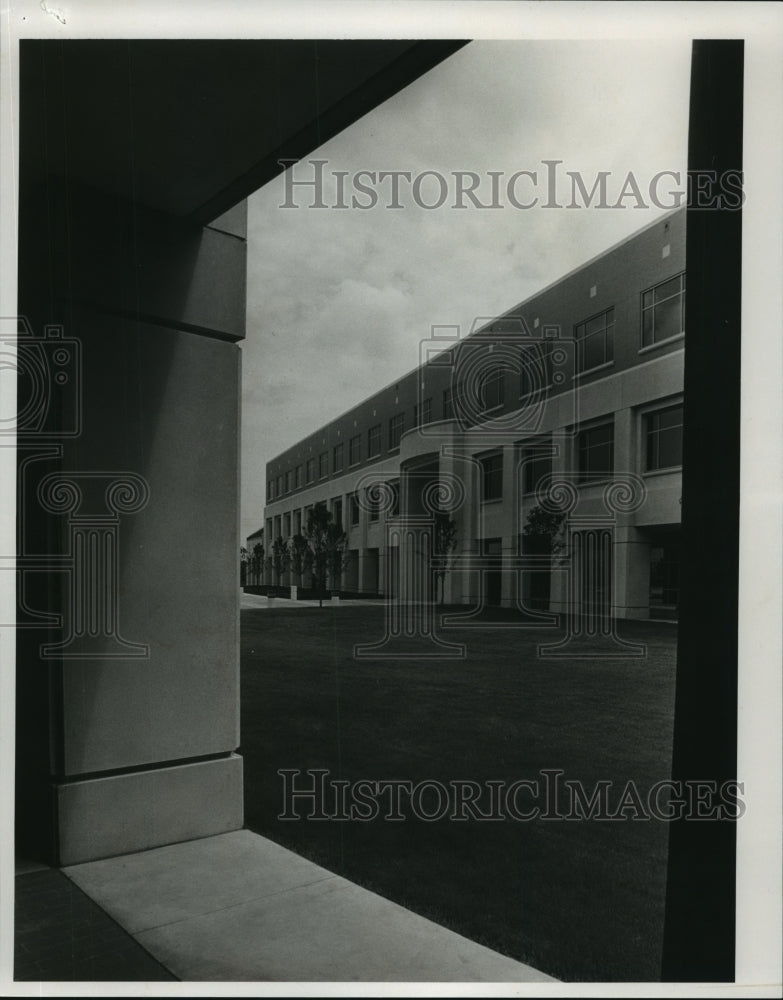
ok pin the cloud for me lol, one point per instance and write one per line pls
(338, 300)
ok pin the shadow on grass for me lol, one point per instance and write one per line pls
(581, 900)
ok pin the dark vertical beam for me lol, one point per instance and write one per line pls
(700, 905)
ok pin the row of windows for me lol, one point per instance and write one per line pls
(595, 453)
(277, 487)
(293, 522)
(662, 317)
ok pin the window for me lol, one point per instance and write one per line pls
(596, 452)
(355, 450)
(337, 511)
(373, 504)
(289, 478)
(310, 470)
(396, 428)
(537, 465)
(448, 403)
(337, 458)
(287, 525)
(279, 488)
(353, 503)
(297, 522)
(492, 477)
(323, 465)
(534, 375)
(374, 441)
(422, 414)
(595, 341)
(664, 438)
(270, 490)
(395, 505)
(663, 311)
(298, 477)
(492, 390)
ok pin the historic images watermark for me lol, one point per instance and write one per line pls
(308, 184)
(314, 795)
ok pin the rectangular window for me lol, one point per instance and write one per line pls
(289, 478)
(492, 390)
(337, 458)
(374, 441)
(448, 403)
(355, 450)
(596, 452)
(395, 507)
(664, 438)
(270, 490)
(595, 341)
(337, 511)
(396, 430)
(287, 525)
(353, 502)
(663, 311)
(310, 470)
(323, 465)
(422, 414)
(373, 504)
(297, 522)
(278, 521)
(492, 477)
(534, 373)
(537, 465)
(298, 477)
(279, 487)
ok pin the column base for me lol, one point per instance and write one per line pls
(123, 813)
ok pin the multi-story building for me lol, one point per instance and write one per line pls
(571, 403)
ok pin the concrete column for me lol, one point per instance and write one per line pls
(462, 585)
(631, 573)
(141, 728)
(511, 523)
(563, 462)
(631, 558)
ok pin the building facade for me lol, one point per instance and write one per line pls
(551, 435)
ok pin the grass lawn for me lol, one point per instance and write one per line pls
(581, 900)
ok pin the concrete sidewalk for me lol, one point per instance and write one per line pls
(238, 907)
(248, 601)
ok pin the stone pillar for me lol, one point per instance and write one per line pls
(563, 461)
(512, 499)
(128, 712)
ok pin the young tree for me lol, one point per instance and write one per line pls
(257, 561)
(336, 553)
(546, 528)
(300, 556)
(544, 533)
(280, 558)
(444, 542)
(327, 542)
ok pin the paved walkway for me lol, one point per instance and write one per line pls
(63, 936)
(238, 907)
(248, 601)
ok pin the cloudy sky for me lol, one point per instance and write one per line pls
(338, 300)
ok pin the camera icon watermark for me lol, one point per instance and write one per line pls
(43, 373)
